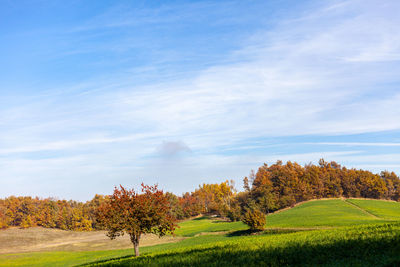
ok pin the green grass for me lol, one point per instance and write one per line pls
(60, 258)
(371, 245)
(333, 212)
(334, 240)
(70, 258)
(207, 225)
(383, 209)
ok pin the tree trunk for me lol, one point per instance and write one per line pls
(136, 246)
(135, 241)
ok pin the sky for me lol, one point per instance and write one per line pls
(94, 94)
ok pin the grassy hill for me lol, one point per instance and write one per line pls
(322, 231)
(388, 210)
(323, 213)
(310, 214)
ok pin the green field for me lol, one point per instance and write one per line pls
(311, 214)
(381, 209)
(207, 225)
(330, 232)
(372, 245)
(322, 213)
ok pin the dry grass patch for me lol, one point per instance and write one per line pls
(15, 240)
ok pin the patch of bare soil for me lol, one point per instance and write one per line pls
(15, 240)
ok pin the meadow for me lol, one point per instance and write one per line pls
(372, 245)
(336, 232)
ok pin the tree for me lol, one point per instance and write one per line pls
(135, 214)
(215, 198)
(175, 208)
(392, 183)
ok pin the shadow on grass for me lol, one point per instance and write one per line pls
(220, 221)
(215, 219)
(241, 233)
(101, 262)
(249, 232)
(201, 218)
(357, 252)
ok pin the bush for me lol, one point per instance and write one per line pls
(255, 219)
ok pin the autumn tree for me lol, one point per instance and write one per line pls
(128, 212)
(392, 184)
(175, 209)
(3, 217)
(215, 198)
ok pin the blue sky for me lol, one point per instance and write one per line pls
(99, 93)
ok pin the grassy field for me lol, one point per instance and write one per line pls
(321, 213)
(311, 214)
(207, 225)
(372, 245)
(324, 231)
(381, 209)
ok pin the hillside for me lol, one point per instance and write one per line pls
(316, 220)
(310, 214)
(326, 213)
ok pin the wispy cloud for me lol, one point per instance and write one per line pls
(296, 81)
(70, 144)
(355, 144)
(325, 69)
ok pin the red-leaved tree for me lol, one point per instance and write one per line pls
(127, 211)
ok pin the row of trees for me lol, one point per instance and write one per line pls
(282, 185)
(27, 212)
(72, 215)
(269, 189)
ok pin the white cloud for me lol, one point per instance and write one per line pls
(172, 148)
(71, 144)
(323, 73)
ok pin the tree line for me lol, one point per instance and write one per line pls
(270, 188)
(27, 212)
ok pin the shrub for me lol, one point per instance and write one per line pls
(255, 219)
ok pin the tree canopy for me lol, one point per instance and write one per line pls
(133, 213)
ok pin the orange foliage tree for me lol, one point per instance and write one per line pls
(135, 214)
(215, 198)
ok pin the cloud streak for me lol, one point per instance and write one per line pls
(323, 70)
(355, 144)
